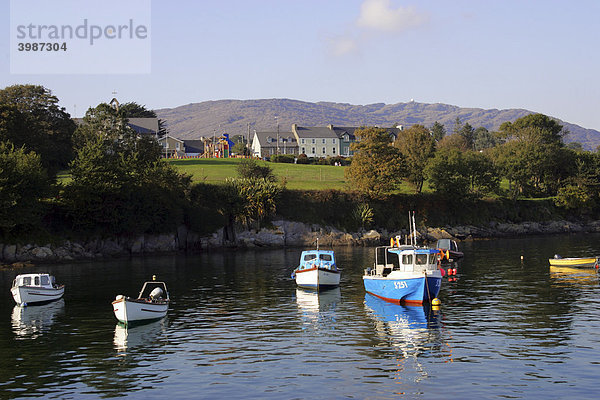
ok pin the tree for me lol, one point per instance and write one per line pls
(453, 141)
(135, 110)
(483, 175)
(447, 174)
(377, 167)
(417, 145)
(462, 173)
(484, 139)
(240, 148)
(249, 168)
(534, 128)
(533, 156)
(31, 117)
(23, 185)
(120, 184)
(468, 133)
(438, 131)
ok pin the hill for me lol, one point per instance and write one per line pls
(197, 120)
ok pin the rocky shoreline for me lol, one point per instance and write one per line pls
(281, 234)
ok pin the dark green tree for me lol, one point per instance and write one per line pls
(468, 132)
(120, 184)
(31, 117)
(377, 167)
(484, 139)
(438, 131)
(417, 145)
(23, 185)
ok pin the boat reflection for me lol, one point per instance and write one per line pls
(318, 308)
(32, 321)
(128, 337)
(412, 332)
(574, 276)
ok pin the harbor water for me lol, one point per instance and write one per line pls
(238, 328)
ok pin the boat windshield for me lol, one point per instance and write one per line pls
(45, 280)
(421, 259)
(325, 257)
(309, 257)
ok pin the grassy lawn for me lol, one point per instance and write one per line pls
(296, 176)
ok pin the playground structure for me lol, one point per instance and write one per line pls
(217, 146)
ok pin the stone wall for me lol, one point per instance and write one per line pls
(281, 234)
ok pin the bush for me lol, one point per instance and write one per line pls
(302, 159)
(249, 168)
(283, 158)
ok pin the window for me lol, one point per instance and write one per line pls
(406, 259)
(27, 281)
(333, 140)
(421, 259)
(45, 280)
(324, 141)
(309, 257)
(304, 150)
(324, 150)
(325, 257)
(333, 150)
(314, 141)
(177, 146)
(314, 150)
(302, 141)
(346, 138)
(36, 281)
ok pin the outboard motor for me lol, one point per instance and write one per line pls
(156, 293)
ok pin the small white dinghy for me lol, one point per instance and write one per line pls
(41, 288)
(151, 304)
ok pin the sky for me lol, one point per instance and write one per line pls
(539, 55)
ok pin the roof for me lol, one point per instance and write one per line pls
(314, 132)
(269, 139)
(139, 125)
(193, 146)
(143, 125)
(163, 138)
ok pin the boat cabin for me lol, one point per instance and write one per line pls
(323, 259)
(447, 244)
(34, 280)
(405, 259)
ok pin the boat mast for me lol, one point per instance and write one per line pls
(414, 228)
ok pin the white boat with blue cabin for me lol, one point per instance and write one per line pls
(404, 274)
(317, 270)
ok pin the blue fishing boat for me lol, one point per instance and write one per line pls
(404, 274)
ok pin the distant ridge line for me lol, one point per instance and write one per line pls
(196, 120)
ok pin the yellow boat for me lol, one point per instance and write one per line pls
(589, 262)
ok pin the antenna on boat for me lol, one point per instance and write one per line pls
(410, 229)
(414, 227)
(317, 244)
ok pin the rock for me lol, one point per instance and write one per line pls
(9, 252)
(42, 253)
(138, 245)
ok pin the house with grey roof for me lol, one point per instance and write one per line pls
(267, 144)
(316, 141)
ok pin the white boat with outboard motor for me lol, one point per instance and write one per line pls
(151, 304)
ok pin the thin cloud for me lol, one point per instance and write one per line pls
(341, 46)
(379, 15)
(376, 18)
